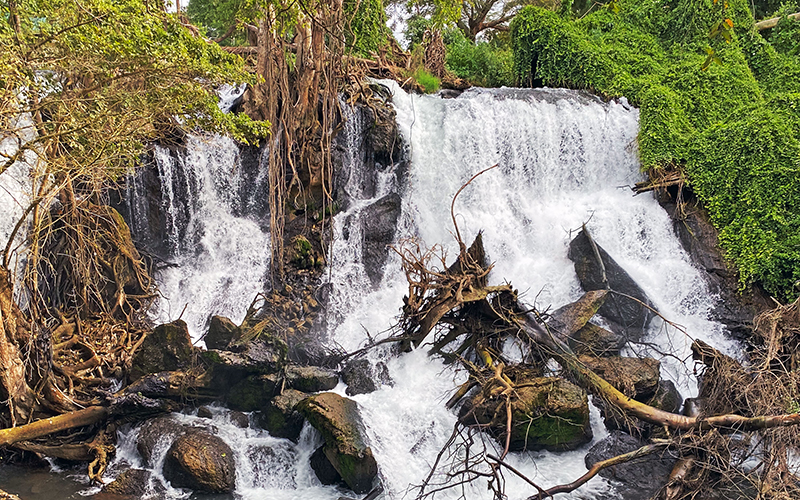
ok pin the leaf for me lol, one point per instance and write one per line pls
(729, 22)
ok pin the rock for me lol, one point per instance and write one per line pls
(280, 417)
(380, 223)
(596, 341)
(253, 393)
(359, 377)
(263, 356)
(160, 431)
(634, 377)
(548, 413)
(323, 468)
(200, 461)
(383, 137)
(204, 412)
(131, 482)
(221, 332)
(666, 398)
(567, 320)
(339, 422)
(311, 378)
(239, 419)
(167, 348)
(627, 314)
(637, 479)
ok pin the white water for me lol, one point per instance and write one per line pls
(222, 256)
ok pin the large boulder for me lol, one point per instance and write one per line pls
(167, 348)
(253, 393)
(221, 332)
(634, 480)
(634, 377)
(200, 461)
(131, 482)
(567, 320)
(280, 416)
(311, 378)
(626, 313)
(594, 340)
(158, 433)
(380, 223)
(338, 420)
(263, 356)
(546, 413)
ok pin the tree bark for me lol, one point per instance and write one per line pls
(13, 384)
(47, 426)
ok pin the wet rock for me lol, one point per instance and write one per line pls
(634, 480)
(204, 412)
(131, 482)
(311, 378)
(735, 309)
(160, 431)
(567, 320)
(594, 340)
(221, 332)
(239, 419)
(362, 378)
(253, 393)
(629, 315)
(200, 461)
(323, 468)
(548, 413)
(666, 398)
(266, 355)
(634, 377)
(383, 137)
(280, 417)
(167, 348)
(339, 422)
(380, 223)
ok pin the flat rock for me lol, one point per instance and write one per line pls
(200, 461)
(311, 378)
(338, 420)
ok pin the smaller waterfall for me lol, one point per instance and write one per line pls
(209, 223)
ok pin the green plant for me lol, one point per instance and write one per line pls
(485, 64)
(428, 82)
(734, 127)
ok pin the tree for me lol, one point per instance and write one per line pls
(97, 80)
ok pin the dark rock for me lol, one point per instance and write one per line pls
(383, 137)
(638, 479)
(167, 348)
(263, 356)
(634, 377)
(548, 413)
(160, 431)
(359, 377)
(323, 468)
(253, 393)
(627, 314)
(204, 412)
(594, 340)
(339, 422)
(200, 461)
(131, 482)
(735, 309)
(380, 223)
(666, 398)
(280, 417)
(221, 332)
(311, 378)
(239, 419)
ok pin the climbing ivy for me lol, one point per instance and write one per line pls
(733, 127)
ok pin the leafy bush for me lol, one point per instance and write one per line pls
(734, 127)
(486, 64)
(428, 82)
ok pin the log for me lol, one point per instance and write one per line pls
(45, 426)
(771, 23)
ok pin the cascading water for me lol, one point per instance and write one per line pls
(565, 158)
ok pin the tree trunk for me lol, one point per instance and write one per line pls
(13, 384)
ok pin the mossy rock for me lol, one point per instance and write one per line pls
(567, 320)
(263, 356)
(634, 377)
(594, 340)
(339, 422)
(280, 417)
(167, 348)
(253, 393)
(546, 413)
(221, 332)
(311, 378)
(131, 482)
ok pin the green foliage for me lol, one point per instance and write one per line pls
(785, 37)
(733, 127)
(486, 64)
(428, 82)
(366, 29)
(216, 16)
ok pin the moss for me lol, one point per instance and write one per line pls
(733, 127)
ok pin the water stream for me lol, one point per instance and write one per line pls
(564, 159)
